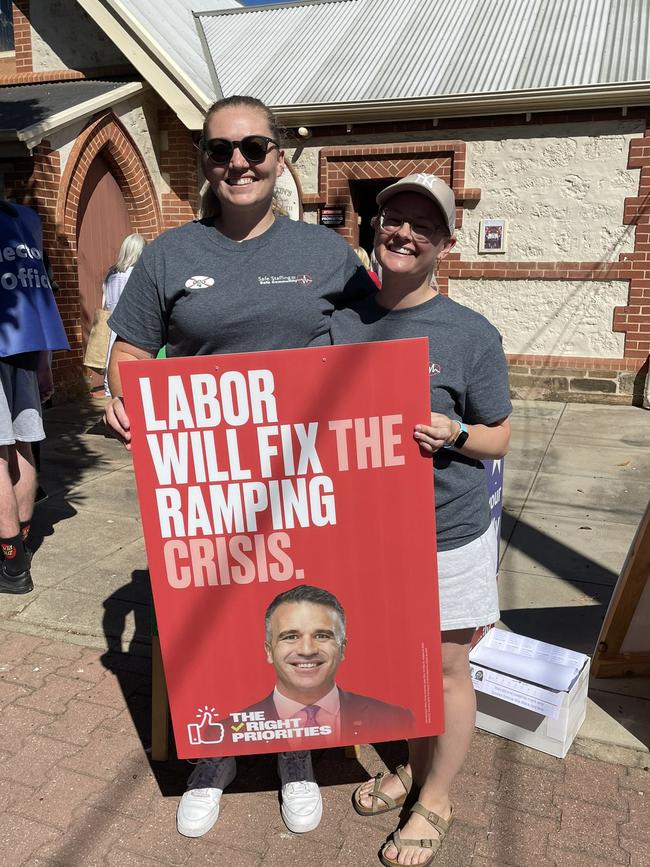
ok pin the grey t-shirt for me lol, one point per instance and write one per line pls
(199, 293)
(468, 379)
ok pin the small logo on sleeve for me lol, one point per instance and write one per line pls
(434, 368)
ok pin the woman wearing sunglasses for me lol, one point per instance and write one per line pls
(469, 422)
(239, 280)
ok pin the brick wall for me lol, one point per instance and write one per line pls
(179, 167)
(22, 36)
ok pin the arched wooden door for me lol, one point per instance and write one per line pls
(102, 224)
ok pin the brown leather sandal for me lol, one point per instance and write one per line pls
(441, 825)
(377, 795)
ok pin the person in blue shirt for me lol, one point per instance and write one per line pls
(30, 328)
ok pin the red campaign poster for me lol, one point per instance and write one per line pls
(290, 472)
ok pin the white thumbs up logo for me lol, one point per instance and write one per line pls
(207, 731)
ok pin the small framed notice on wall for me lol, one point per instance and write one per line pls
(492, 236)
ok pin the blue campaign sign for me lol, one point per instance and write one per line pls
(494, 478)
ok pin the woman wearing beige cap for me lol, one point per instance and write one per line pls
(469, 423)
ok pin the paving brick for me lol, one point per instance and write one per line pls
(134, 794)
(519, 836)
(214, 854)
(479, 861)
(87, 840)
(295, 849)
(54, 695)
(457, 847)
(481, 757)
(79, 720)
(592, 781)
(106, 756)
(16, 723)
(56, 801)
(88, 667)
(245, 820)
(112, 691)
(639, 852)
(509, 751)
(589, 829)
(121, 858)
(34, 760)
(471, 796)
(61, 649)
(523, 787)
(636, 779)
(359, 845)
(157, 837)
(9, 692)
(32, 671)
(135, 720)
(568, 858)
(12, 792)
(20, 838)
(14, 646)
(638, 827)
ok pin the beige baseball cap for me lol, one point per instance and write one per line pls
(428, 185)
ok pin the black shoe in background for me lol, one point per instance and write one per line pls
(21, 583)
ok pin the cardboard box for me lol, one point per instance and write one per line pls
(529, 691)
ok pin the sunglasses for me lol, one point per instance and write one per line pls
(253, 148)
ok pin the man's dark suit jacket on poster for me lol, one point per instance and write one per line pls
(363, 719)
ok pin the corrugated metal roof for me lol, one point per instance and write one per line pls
(170, 25)
(23, 105)
(334, 51)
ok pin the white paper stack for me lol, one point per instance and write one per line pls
(525, 672)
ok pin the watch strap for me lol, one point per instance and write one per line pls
(461, 439)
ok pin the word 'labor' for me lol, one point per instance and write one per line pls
(373, 441)
(208, 399)
(219, 562)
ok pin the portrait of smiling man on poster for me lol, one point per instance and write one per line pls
(305, 641)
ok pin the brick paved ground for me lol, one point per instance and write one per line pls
(77, 788)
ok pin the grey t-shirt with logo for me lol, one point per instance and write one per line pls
(468, 379)
(197, 292)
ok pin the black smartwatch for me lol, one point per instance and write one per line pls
(461, 439)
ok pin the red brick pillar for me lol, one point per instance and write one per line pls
(179, 166)
(22, 36)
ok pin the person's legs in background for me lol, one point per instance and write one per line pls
(17, 488)
(24, 476)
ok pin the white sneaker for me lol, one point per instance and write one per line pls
(198, 809)
(302, 806)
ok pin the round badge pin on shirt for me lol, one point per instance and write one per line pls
(199, 282)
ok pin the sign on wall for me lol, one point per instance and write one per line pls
(332, 216)
(296, 472)
(492, 236)
(287, 194)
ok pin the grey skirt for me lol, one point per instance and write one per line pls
(467, 583)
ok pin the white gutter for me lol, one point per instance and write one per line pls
(33, 135)
(464, 105)
(164, 76)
